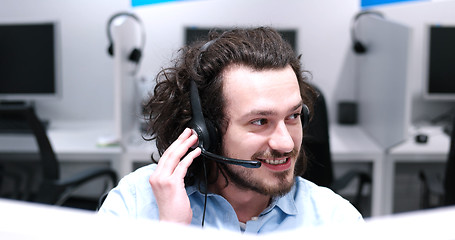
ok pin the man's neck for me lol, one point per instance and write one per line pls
(246, 203)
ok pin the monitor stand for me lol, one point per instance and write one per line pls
(16, 124)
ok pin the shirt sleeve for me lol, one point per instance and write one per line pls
(321, 206)
(120, 201)
(132, 197)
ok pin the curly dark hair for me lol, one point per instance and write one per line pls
(168, 111)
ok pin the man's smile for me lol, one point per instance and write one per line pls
(274, 161)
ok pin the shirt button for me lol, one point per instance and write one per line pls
(254, 218)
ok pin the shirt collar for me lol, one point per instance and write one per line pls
(190, 190)
(286, 203)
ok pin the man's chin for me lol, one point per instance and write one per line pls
(280, 182)
(284, 186)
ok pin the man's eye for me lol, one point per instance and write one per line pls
(259, 122)
(294, 116)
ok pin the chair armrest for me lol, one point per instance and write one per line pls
(69, 185)
(432, 183)
(344, 180)
(85, 176)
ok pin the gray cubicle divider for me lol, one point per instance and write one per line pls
(384, 104)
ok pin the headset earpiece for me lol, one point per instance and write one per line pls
(204, 128)
(305, 117)
(135, 55)
(357, 45)
(110, 50)
(208, 135)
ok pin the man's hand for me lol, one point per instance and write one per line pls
(167, 181)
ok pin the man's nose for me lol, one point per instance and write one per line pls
(280, 139)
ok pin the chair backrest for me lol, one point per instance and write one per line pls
(49, 165)
(449, 182)
(317, 145)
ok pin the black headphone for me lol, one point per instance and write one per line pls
(135, 55)
(207, 133)
(358, 46)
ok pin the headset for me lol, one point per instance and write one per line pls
(208, 134)
(357, 45)
(136, 53)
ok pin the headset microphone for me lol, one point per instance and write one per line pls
(218, 158)
(207, 133)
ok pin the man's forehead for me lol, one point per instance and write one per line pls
(244, 77)
(245, 87)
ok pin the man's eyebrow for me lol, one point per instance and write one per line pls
(297, 106)
(269, 113)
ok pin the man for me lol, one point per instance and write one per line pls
(253, 92)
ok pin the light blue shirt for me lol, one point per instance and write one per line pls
(306, 205)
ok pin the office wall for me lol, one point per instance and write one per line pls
(417, 16)
(323, 38)
(87, 70)
(323, 33)
(323, 30)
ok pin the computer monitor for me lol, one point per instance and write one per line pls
(29, 61)
(440, 66)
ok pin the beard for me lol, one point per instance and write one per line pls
(245, 178)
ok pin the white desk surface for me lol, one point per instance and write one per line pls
(436, 148)
(24, 221)
(351, 143)
(70, 141)
(31, 221)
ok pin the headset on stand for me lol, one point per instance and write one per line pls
(136, 54)
(357, 45)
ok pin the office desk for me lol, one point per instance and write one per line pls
(435, 150)
(71, 141)
(351, 144)
(25, 221)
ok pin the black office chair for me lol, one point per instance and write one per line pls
(439, 190)
(51, 189)
(317, 147)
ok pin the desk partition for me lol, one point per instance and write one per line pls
(384, 105)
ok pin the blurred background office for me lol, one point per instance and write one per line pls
(384, 88)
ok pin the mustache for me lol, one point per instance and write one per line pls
(273, 154)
